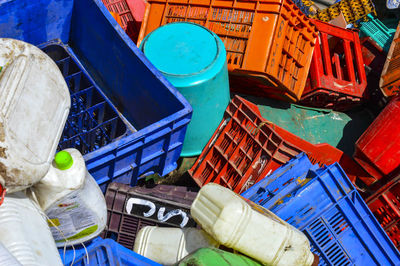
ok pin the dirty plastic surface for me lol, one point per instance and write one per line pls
(328, 209)
(315, 125)
(141, 94)
(71, 196)
(34, 104)
(249, 228)
(132, 208)
(25, 232)
(169, 245)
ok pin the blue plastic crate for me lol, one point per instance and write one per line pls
(281, 182)
(100, 52)
(329, 210)
(104, 252)
(348, 234)
(327, 186)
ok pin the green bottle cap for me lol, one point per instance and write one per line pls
(63, 160)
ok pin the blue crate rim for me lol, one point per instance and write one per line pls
(131, 134)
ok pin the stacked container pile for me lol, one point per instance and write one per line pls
(190, 132)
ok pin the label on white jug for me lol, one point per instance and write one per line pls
(71, 219)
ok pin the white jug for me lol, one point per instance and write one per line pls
(71, 199)
(34, 106)
(168, 245)
(249, 228)
(25, 233)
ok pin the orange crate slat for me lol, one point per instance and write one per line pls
(270, 42)
(246, 147)
(390, 78)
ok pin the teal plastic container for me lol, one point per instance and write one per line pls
(193, 59)
(378, 31)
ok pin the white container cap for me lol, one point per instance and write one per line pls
(34, 106)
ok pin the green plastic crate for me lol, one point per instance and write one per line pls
(378, 31)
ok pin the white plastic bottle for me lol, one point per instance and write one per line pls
(249, 228)
(34, 106)
(71, 199)
(25, 233)
(168, 245)
(6, 258)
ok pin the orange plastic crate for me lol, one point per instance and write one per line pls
(270, 42)
(390, 78)
(246, 147)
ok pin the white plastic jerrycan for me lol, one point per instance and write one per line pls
(249, 228)
(71, 199)
(168, 245)
(34, 106)
(25, 233)
(6, 258)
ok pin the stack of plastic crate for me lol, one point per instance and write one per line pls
(378, 31)
(324, 204)
(377, 152)
(269, 44)
(246, 147)
(337, 77)
(124, 131)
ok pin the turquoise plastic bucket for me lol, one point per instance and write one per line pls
(193, 59)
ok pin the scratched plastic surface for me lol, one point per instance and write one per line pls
(131, 208)
(283, 181)
(328, 209)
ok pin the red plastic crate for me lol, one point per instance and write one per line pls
(373, 55)
(131, 13)
(246, 147)
(378, 148)
(374, 58)
(385, 204)
(337, 78)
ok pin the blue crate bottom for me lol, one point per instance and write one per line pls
(103, 252)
